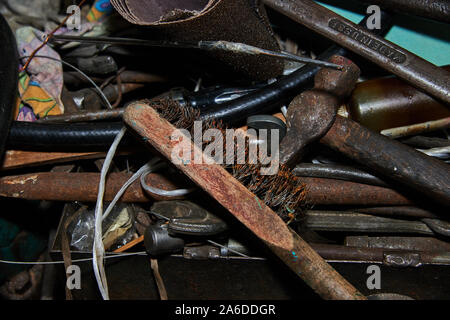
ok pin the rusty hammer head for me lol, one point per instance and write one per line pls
(339, 83)
(312, 113)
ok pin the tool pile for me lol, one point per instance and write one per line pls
(249, 132)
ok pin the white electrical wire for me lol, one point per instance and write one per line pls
(98, 251)
(150, 166)
(142, 173)
(117, 255)
(229, 249)
(98, 248)
(161, 192)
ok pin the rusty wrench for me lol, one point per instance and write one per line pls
(417, 71)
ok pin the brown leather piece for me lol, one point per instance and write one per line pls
(242, 21)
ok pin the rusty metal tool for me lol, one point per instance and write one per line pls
(242, 204)
(312, 116)
(404, 252)
(418, 128)
(427, 244)
(389, 257)
(392, 159)
(60, 186)
(57, 186)
(15, 159)
(404, 64)
(398, 211)
(345, 221)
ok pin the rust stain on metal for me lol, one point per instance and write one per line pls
(417, 128)
(323, 191)
(21, 180)
(62, 186)
(391, 158)
(15, 159)
(312, 113)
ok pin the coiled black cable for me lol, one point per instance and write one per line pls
(101, 135)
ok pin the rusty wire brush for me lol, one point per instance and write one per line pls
(283, 192)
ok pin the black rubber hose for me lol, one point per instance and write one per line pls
(8, 81)
(101, 135)
(276, 94)
(63, 136)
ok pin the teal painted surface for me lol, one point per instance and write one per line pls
(427, 39)
(17, 247)
(8, 232)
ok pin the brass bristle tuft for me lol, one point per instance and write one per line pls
(180, 116)
(284, 193)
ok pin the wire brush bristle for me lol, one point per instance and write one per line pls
(283, 192)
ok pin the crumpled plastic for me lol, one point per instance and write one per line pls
(40, 87)
(118, 229)
(33, 102)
